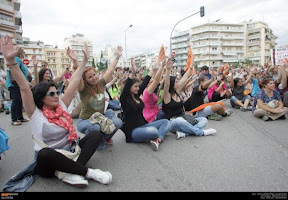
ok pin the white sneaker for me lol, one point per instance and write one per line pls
(154, 144)
(180, 134)
(75, 180)
(228, 112)
(103, 177)
(209, 131)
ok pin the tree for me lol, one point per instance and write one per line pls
(93, 63)
(100, 65)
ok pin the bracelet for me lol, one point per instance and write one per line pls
(117, 58)
(10, 65)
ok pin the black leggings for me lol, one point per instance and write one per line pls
(49, 160)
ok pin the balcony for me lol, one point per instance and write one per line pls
(6, 7)
(18, 29)
(7, 23)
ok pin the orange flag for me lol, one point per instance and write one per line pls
(161, 53)
(226, 67)
(189, 60)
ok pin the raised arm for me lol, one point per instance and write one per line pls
(166, 94)
(59, 78)
(111, 68)
(283, 72)
(9, 54)
(156, 79)
(36, 75)
(184, 78)
(75, 79)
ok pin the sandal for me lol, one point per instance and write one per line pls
(16, 123)
(23, 120)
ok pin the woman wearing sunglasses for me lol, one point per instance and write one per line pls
(51, 124)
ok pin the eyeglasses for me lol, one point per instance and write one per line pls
(52, 94)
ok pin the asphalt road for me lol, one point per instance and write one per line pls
(245, 155)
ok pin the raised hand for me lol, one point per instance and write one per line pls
(163, 60)
(35, 61)
(8, 50)
(118, 51)
(133, 65)
(86, 52)
(72, 54)
(169, 64)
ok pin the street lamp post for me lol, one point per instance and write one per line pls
(201, 14)
(209, 39)
(125, 42)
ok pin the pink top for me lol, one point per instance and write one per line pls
(213, 88)
(151, 108)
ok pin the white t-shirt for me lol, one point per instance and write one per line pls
(51, 134)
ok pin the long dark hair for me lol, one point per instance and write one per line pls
(130, 101)
(39, 92)
(172, 90)
(41, 74)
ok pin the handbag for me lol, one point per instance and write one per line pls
(71, 155)
(190, 118)
(105, 123)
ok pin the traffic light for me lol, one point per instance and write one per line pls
(202, 12)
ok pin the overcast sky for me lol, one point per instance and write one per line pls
(104, 22)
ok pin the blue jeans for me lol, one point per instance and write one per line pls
(86, 127)
(233, 99)
(114, 105)
(151, 131)
(180, 124)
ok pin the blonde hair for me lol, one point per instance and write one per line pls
(90, 88)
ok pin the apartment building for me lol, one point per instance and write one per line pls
(109, 55)
(260, 40)
(180, 45)
(147, 59)
(10, 22)
(215, 43)
(33, 48)
(76, 43)
(58, 59)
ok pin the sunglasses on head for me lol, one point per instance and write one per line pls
(52, 94)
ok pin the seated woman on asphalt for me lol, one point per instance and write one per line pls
(135, 126)
(151, 110)
(268, 102)
(173, 107)
(91, 90)
(51, 124)
(238, 99)
(218, 89)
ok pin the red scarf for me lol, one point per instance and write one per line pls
(55, 118)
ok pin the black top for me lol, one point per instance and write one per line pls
(173, 108)
(133, 112)
(238, 92)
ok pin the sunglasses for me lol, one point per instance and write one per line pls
(44, 65)
(52, 94)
